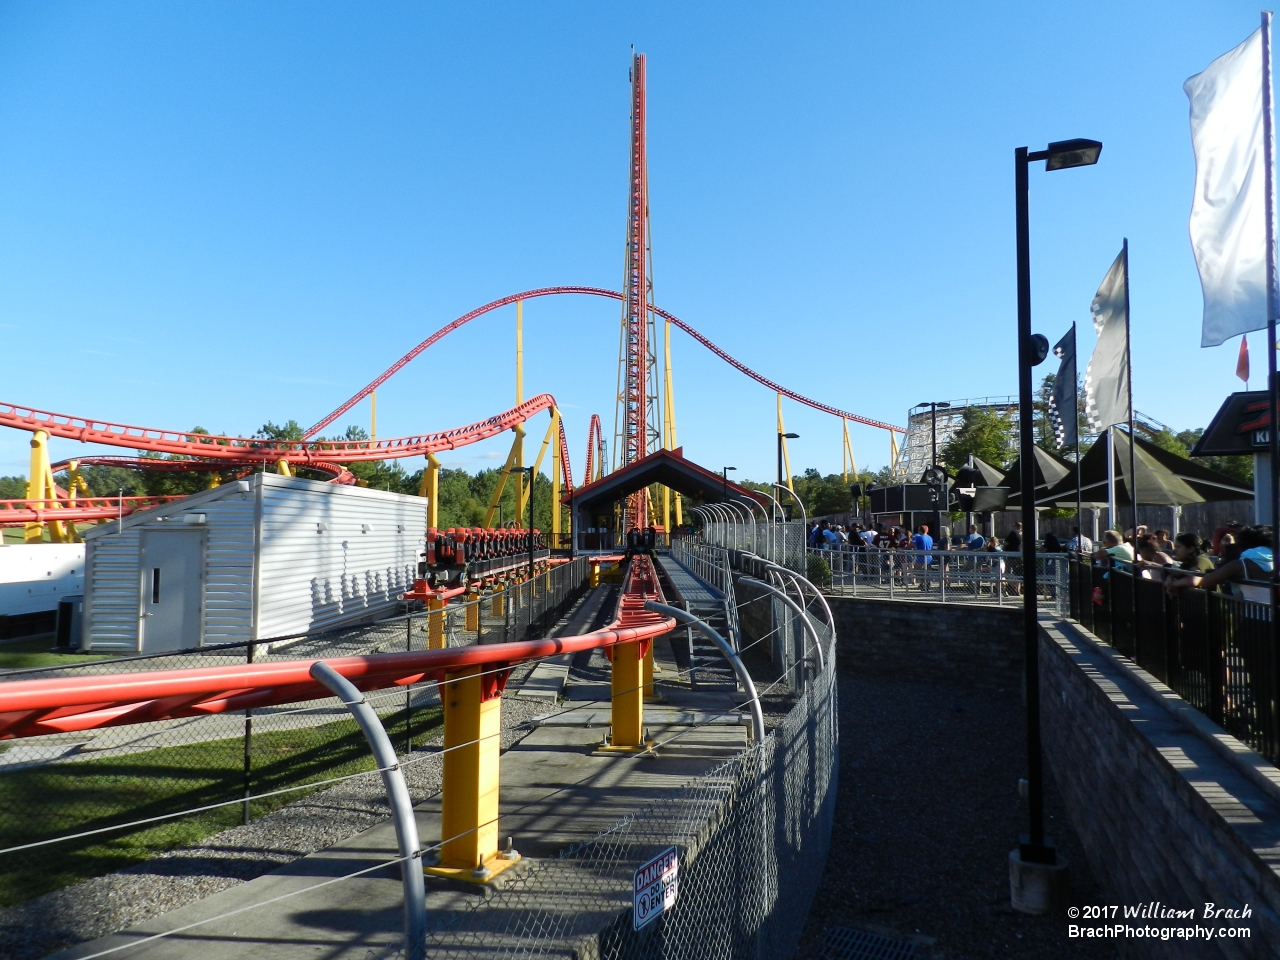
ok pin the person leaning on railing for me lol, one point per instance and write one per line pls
(1253, 564)
(1150, 562)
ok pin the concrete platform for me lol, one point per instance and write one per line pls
(556, 791)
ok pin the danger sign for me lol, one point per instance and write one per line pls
(656, 885)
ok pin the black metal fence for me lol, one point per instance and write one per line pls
(1213, 649)
(234, 765)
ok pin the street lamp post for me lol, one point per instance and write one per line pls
(529, 471)
(1034, 848)
(933, 406)
(724, 480)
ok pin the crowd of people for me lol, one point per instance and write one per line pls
(1235, 559)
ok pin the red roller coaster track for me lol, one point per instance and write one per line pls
(241, 449)
(31, 708)
(589, 292)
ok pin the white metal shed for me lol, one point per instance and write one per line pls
(263, 557)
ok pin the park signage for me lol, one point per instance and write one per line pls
(655, 886)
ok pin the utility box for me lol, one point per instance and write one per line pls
(70, 630)
(261, 558)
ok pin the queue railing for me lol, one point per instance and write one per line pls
(1213, 649)
(940, 576)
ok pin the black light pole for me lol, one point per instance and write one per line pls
(783, 436)
(933, 462)
(724, 479)
(529, 471)
(1034, 847)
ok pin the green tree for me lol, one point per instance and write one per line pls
(13, 488)
(984, 434)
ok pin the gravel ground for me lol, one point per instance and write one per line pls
(102, 905)
(927, 813)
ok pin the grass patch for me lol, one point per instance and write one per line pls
(58, 799)
(37, 652)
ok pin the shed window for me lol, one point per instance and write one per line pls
(155, 584)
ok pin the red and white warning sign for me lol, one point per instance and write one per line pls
(656, 885)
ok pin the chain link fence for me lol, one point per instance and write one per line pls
(782, 542)
(196, 776)
(751, 838)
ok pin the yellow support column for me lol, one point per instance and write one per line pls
(39, 484)
(473, 611)
(786, 457)
(595, 574)
(430, 488)
(435, 624)
(513, 460)
(518, 448)
(495, 608)
(282, 468)
(373, 416)
(647, 674)
(469, 800)
(627, 688)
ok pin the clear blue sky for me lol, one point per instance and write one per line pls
(224, 213)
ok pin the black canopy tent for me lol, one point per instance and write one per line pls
(1163, 478)
(1050, 472)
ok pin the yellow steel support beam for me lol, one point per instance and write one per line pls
(786, 457)
(373, 415)
(627, 688)
(516, 454)
(846, 455)
(435, 624)
(469, 800)
(521, 493)
(430, 488)
(282, 468)
(495, 608)
(473, 611)
(40, 486)
(646, 670)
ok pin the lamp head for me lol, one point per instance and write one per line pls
(792, 436)
(1072, 153)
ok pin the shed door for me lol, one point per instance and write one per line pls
(172, 589)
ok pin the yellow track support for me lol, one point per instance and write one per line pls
(513, 458)
(786, 457)
(473, 612)
(646, 669)
(435, 624)
(846, 455)
(40, 486)
(469, 801)
(627, 688)
(430, 488)
(282, 468)
(495, 608)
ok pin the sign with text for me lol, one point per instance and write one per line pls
(655, 886)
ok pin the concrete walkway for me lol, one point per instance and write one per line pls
(557, 790)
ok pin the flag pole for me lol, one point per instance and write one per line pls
(1111, 478)
(1268, 152)
(1128, 369)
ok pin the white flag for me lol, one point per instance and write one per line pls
(1228, 212)
(1106, 381)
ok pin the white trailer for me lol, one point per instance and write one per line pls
(35, 577)
(269, 556)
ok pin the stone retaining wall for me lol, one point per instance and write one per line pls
(1169, 808)
(969, 645)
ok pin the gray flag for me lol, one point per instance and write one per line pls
(1106, 379)
(1062, 401)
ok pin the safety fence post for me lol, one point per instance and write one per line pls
(248, 744)
(384, 755)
